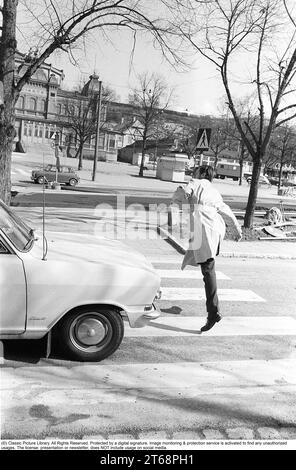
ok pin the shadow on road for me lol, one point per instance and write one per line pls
(27, 351)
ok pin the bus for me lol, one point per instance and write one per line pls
(227, 170)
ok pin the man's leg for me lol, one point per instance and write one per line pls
(212, 301)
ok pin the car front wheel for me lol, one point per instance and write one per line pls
(90, 333)
(73, 182)
(40, 179)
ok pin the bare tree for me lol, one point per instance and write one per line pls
(282, 149)
(82, 119)
(220, 139)
(244, 40)
(151, 98)
(61, 26)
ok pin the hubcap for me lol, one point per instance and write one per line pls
(90, 331)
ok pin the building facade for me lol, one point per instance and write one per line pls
(42, 111)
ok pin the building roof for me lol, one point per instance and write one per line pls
(92, 86)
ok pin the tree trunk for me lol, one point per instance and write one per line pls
(80, 154)
(7, 101)
(141, 172)
(249, 215)
(216, 161)
(280, 176)
(241, 162)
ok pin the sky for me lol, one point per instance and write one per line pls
(197, 90)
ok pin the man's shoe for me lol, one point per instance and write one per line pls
(211, 323)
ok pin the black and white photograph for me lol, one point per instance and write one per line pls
(147, 227)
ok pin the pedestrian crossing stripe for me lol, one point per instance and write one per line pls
(192, 293)
(189, 274)
(228, 326)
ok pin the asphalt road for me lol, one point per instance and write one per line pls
(168, 381)
(120, 199)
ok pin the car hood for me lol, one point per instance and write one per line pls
(65, 246)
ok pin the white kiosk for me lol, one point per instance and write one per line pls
(171, 167)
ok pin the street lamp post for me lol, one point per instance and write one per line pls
(98, 114)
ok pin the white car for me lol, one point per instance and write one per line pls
(262, 179)
(75, 288)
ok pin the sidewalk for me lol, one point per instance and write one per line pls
(142, 239)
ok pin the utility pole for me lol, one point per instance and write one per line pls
(98, 113)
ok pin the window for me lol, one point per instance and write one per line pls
(42, 105)
(59, 109)
(20, 102)
(15, 229)
(3, 249)
(32, 104)
(101, 141)
(119, 141)
(71, 110)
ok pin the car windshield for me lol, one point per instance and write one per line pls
(15, 229)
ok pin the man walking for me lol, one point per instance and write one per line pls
(207, 229)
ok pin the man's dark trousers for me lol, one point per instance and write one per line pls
(209, 278)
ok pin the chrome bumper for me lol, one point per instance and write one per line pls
(139, 317)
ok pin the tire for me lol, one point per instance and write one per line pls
(90, 333)
(72, 182)
(40, 180)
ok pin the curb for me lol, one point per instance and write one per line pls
(180, 247)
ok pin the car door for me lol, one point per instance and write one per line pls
(13, 292)
(50, 175)
(63, 175)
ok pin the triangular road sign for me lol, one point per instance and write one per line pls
(203, 139)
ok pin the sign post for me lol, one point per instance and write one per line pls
(98, 111)
(203, 141)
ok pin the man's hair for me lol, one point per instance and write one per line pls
(205, 172)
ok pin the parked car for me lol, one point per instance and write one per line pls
(78, 291)
(262, 179)
(284, 182)
(66, 175)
